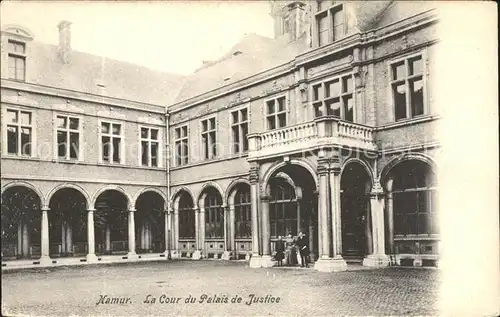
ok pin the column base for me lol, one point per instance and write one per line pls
(45, 260)
(255, 260)
(330, 265)
(227, 255)
(174, 254)
(197, 255)
(376, 260)
(132, 256)
(92, 258)
(267, 261)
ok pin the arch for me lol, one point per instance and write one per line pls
(150, 189)
(276, 166)
(111, 187)
(406, 157)
(209, 184)
(231, 189)
(72, 186)
(362, 163)
(43, 201)
(176, 194)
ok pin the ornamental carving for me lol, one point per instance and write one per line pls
(254, 173)
(274, 88)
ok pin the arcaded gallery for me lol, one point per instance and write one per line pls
(326, 129)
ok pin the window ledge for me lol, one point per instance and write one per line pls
(407, 122)
(214, 160)
(408, 237)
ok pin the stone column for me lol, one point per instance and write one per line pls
(45, 237)
(378, 258)
(197, 253)
(107, 242)
(91, 257)
(169, 233)
(255, 260)
(175, 235)
(336, 211)
(323, 210)
(69, 239)
(390, 216)
(131, 233)
(266, 260)
(232, 231)
(227, 240)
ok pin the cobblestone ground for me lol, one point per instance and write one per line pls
(74, 291)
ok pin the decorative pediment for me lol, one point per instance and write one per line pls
(18, 31)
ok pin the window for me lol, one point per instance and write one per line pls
(19, 132)
(242, 214)
(415, 199)
(276, 113)
(111, 142)
(239, 127)
(181, 145)
(330, 22)
(407, 85)
(334, 97)
(17, 60)
(149, 147)
(68, 137)
(186, 217)
(283, 209)
(208, 138)
(214, 215)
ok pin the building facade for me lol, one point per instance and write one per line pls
(328, 129)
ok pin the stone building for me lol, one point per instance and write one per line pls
(328, 128)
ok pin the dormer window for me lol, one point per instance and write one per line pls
(17, 60)
(330, 22)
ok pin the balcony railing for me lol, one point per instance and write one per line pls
(324, 131)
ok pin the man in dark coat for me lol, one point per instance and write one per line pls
(303, 244)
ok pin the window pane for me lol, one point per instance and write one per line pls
(26, 141)
(177, 133)
(12, 67)
(399, 92)
(213, 144)
(20, 68)
(417, 97)
(145, 153)
(236, 139)
(235, 116)
(317, 92)
(105, 127)
(178, 152)
(116, 129)
(318, 109)
(154, 134)
(116, 149)
(333, 107)
(270, 107)
(184, 131)
(74, 145)
(281, 104)
(271, 123)
(415, 65)
(12, 116)
(144, 133)
(154, 154)
(347, 84)
(61, 144)
(205, 146)
(61, 122)
(332, 88)
(74, 123)
(25, 118)
(244, 131)
(398, 71)
(348, 108)
(338, 32)
(244, 115)
(212, 123)
(282, 120)
(185, 152)
(105, 148)
(204, 125)
(12, 139)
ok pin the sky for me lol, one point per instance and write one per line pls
(171, 36)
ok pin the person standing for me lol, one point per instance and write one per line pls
(280, 251)
(303, 244)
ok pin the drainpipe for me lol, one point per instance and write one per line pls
(167, 164)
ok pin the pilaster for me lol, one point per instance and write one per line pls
(378, 258)
(197, 254)
(45, 258)
(255, 259)
(131, 233)
(91, 257)
(227, 244)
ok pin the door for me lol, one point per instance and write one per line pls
(353, 225)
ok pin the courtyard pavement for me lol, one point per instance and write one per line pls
(91, 290)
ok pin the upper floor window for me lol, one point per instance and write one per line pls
(181, 145)
(68, 137)
(407, 86)
(17, 60)
(276, 113)
(208, 138)
(111, 142)
(330, 22)
(239, 127)
(334, 97)
(149, 146)
(19, 132)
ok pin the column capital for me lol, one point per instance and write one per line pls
(322, 168)
(45, 208)
(377, 190)
(91, 210)
(265, 197)
(195, 209)
(253, 176)
(132, 210)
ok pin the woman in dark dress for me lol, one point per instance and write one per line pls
(291, 254)
(280, 251)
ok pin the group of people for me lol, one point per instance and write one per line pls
(287, 249)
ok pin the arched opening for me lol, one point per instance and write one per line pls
(111, 223)
(414, 193)
(293, 205)
(21, 223)
(355, 185)
(242, 216)
(150, 223)
(67, 223)
(186, 223)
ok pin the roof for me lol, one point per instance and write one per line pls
(251, 55)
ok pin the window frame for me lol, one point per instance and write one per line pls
(32, 126)
(391, 82)
(239, 125)
(212, 212)
(183, 216)
(181, 139)
(242, 208)
(322, 83)
(276, 113)
(17, 56)
(330, 12)
(80, 131)
(211, 155)
(122, 142)
(159, 156)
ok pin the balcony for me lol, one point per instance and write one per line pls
(322, 132)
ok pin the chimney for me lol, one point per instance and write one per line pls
(290, 18)
(64, 41)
